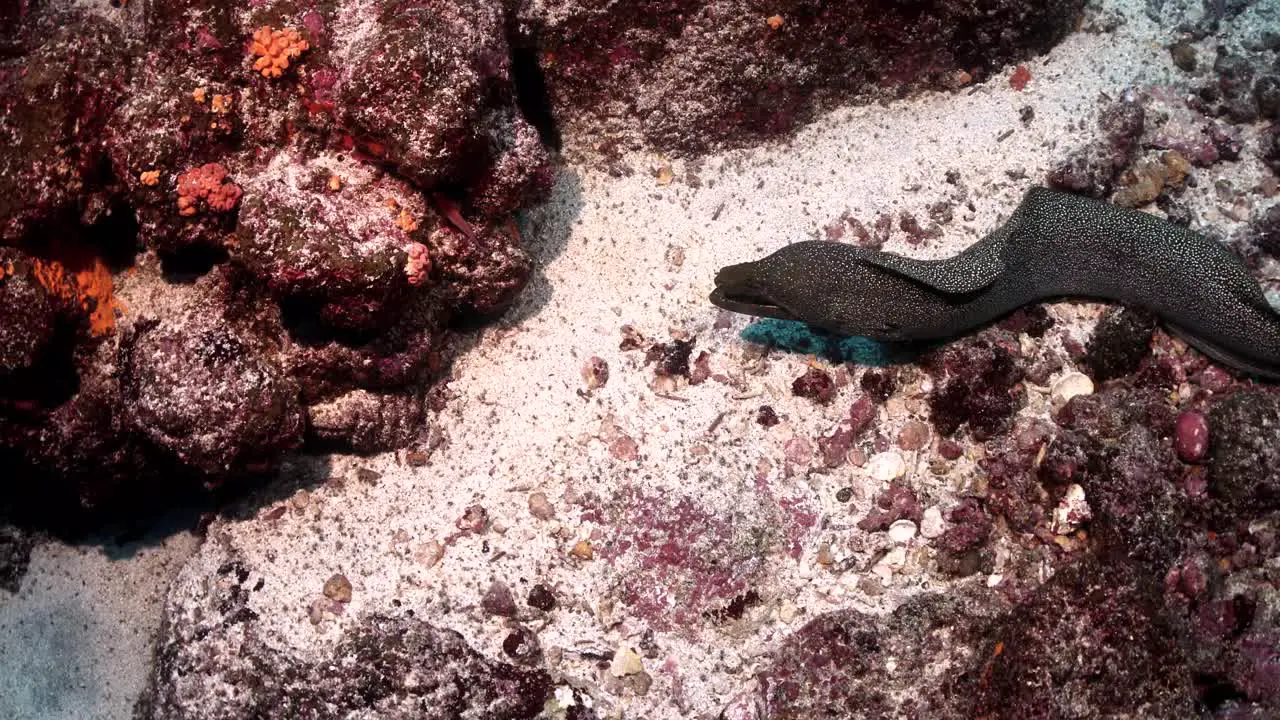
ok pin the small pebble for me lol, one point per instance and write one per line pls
(1191, 436)
(1069, 386)
(474, 519)
(582, 550)
(815, 384)
(887, 466)
(626, 662)
(317, 609)
(497, 600)
(914, 436)
(824, 555)
(522, 644)
(1073, 510)
(1215, 379)
(902, 531)
(1184, 56)
(541, 597)
(540, 508)
(932, 524)
(430, 553)
(766, 416)
(595, 373)
(844, 494)
(950, 450)
(338, 588)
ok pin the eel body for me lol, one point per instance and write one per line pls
(1055, 245)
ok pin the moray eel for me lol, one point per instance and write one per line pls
(1056, 245)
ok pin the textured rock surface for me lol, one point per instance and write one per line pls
(695, 75)
(846, 663)
(343, 209)
(1084, 624)
(213, 664)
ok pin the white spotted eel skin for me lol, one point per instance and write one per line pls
(1055, 246)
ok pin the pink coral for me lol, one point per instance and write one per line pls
(206, 183)
(419, 263)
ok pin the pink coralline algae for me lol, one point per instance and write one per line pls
(680, 562)
(978, 388)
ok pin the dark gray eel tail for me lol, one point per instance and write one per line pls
(1055, 245)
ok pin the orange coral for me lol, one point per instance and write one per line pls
(90, 288)
(275, 48)
(406, 222)
(206, 183)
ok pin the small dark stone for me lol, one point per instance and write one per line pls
(879, 384)
(844, 494)
(541, 597)
(497, 600)
(736, 607)
(1174, 211)
(1184, 56)
(1035, 321)
(672, 358)
(1265, 230)
(950, 449)
(1227, 142)
(816, 384)
(960, 547)
(1119, 343)
(766, 416)
(522, 644)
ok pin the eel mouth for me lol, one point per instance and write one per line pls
(738, 291)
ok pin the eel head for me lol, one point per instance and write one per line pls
(841, 288)
(778, 286)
